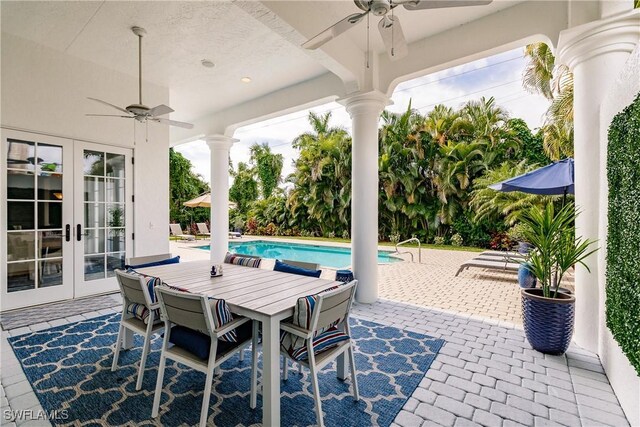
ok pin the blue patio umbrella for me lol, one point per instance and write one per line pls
(553, 179)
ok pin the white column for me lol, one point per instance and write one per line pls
(219, 146)
(595, 52)
(365, 110)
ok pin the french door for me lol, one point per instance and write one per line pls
(102, 214)
(66, 215)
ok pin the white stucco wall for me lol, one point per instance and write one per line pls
(44, 90)
(622, 376)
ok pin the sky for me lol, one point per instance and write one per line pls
(499, 76)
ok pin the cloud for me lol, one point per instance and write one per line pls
(498, 76)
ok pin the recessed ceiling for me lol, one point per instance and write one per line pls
(179, 35)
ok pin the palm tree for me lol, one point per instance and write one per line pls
(538, 73)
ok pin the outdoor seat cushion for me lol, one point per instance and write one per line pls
(322, 342)
(288, 268)
(241, 260)
(199, 344)
(151, 281)
(174, 260)
(141, 312)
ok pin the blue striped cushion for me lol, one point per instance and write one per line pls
(141, 312)
(242, 260)
(322, 342)
(152, 282)
(222, 316)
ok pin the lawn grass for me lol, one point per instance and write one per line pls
(409, 245)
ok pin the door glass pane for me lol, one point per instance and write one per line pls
(50, 243)
(93, 189)
(114, 261)
(21, 276)
(20, 185)
(21, 154)
(93, 163)
(49, 215)
(115, 216)
(115, 190)
(20, 245)
(93, 267)
(50, 273)
(115, 165)
(94, 241)
(50, 158)
(94, 215)
(20, 215)
(50, 186)
(115, 240)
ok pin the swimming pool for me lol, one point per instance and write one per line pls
(328, 256)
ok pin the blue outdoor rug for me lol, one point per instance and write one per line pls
(69, 367)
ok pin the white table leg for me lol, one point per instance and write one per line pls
(127, 339)
(342, 367)
(271, 372)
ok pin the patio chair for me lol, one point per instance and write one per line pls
(318, 333)
(140, 314)
(176, 230)
(489, 264)
(203, 229)
(204, 336)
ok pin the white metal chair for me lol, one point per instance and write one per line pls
(323, 340)
(302, 264)
(136, 299)
(203, 229)
(194, 312)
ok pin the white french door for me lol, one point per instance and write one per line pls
(65, 218)
(103, 216)
(37, 211)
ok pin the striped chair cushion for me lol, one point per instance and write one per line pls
(152, 282)
(221, 316)
(141, 312)
(322, 342)
(241, 260)
(302, 314)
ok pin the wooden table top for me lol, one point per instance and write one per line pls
(265, 292)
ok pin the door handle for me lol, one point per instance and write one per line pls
(78, 232)
(67, 233)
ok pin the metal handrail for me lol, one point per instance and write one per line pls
(413, 239)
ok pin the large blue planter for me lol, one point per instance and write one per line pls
(548, 322)
(526, 278)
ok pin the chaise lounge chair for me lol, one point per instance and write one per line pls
(489, 264)
(204, 230)
(176, 230)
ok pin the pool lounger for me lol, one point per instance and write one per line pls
(234, 234)
(501, 254)
(488, 264)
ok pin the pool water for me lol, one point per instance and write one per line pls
(328, 256)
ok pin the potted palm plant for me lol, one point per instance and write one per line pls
(548, 315)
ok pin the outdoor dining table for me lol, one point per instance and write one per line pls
(263, 295)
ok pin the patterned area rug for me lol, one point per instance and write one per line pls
(69, 368)
(45, 313)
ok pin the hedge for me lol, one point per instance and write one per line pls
(623, 241)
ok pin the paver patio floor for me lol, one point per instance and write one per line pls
(486, 373)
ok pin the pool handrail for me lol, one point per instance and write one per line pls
(413, 239)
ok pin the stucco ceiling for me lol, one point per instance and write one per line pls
(236, 37)
(179, 36)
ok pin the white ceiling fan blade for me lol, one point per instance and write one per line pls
(393, 37)
(160, 110)
(108, 115)
(438, 4)
(110, 105)
(173, 123)
(334, 31)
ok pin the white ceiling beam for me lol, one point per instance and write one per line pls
(303, 95)
(507, 29)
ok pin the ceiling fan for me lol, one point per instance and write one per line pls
(389, 25)
(139, 111)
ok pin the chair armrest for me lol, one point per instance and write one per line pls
(296, 330)
(231, 325)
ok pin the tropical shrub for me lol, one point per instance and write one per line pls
(439, 240)
(456, 240)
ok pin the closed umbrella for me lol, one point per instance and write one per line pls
(553, 179)
(204, 201)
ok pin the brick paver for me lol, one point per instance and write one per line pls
(486, 373)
